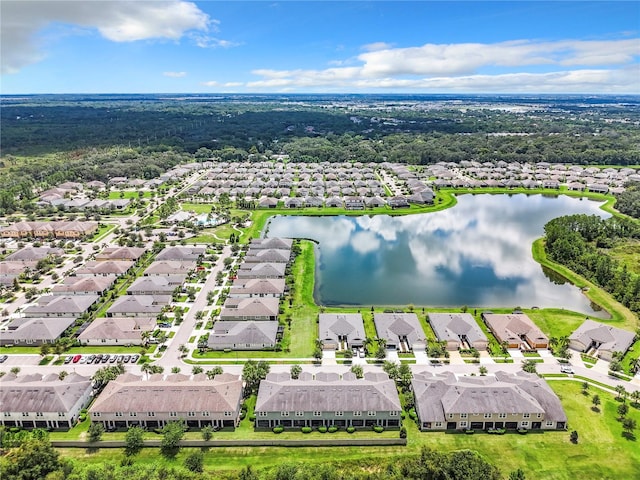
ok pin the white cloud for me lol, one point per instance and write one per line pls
(206, 41)
(210, 83)
(373, 47)
(580, 66)
(118, 21)
(174, 74)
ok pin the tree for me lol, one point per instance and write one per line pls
(391, 369)
(585, 388)
(252, 373)
(596, 402)
(217, 370)
(247, 473)
(295, 371)
(357, 370)
(623, 409)
(529, 366)
(95, 431)
(573, 437)
(620, 392)
(629, 425)
(45, 349)
(207, 432)
(172, 434)
(483, 370)
(517, 474)
(197, 369)
(195, 461)
(175, 369)
(635, 397)
(34, 459)
(134, 441)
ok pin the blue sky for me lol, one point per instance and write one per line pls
(178, 46)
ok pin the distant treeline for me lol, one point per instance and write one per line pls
(581, 242)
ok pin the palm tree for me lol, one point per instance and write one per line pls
(596, 401)
(635, 396)
(621, 392)
(146, 368)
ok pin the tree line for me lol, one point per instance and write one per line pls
(581, 243)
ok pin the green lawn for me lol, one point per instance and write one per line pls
(601, 452)
(629, 254)
(132, 194)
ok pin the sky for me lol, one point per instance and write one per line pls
(274, 46)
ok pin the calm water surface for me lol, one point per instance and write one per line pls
(477, 253)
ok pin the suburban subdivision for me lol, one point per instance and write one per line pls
(242, 306)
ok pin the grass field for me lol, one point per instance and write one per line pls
(629, 254)
(601, 452)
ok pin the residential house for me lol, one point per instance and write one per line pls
(105, 268)
(601, 340)
(267, 255)
(255, 308)
(181, 254)
(117, 331)
(353, 203)
(243, 335)
(156, 285)
(257, 287)
(11, 270)
(130, 400)
(401, 331)
(32, 331)
(458, 330)
(61, 306)
(121, 254)
(515, 330)
(276, 243)
(138, 305)
(83, 285)
(509, 401)
(261, 270)
(341, 331)
(170, 268)
(328, 399)
(43, 401)
(33, 254)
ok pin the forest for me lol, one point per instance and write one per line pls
(582, 242)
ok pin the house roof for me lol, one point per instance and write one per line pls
(126, 329)
(166, 267)
(332, 325)
(26, 328)
(612, 339)
(509, 327)
(181, 253)
(97, 284)
(327, 393)
(36, 393)
(452, 326)
(107, 267)
(151, 304)
(173, 393)
(440, 394)
(240, 332)
(267, 255)
(155, 283)
(272, 242)
(250, 307)
(256, 286)
(390, 326)
(121, 253)
(73, 305)
(257, 270)
(33, 254)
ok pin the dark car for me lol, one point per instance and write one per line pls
(91, 358)
(113, 358)
(127, 358)
(3, 358)
(105, 358)
(98, 358)
(134, 358)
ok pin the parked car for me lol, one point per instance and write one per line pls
(126, 358)
(3, 358)
(113, 358)
(120, 358)
(84, 360)
(567, 369)
(134, 358)
(76, 358)
(98, 358)
(90, 358)
(105, 358)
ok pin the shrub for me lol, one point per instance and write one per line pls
(413, 414)
(252, 418)
(306, 429)
(351, 429)
(403, 432)
(378, 428)
(82, 417)
(278, 429)
(333, 429)
(322, 429)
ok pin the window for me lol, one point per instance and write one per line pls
(450, 415)
(357, 414)
(25, 414)
(525, 424)
(371, 413)
(502, 415)
(7, 414)
(191, 414)
(173, 414)
(205, 414)
(539, 415)
(463, 415)
(96, 414)
(262, 414)
(317, 414)
(39, 414)
(299, 414)
(339, 414)
(488, 415)
(438, 424)
(284, 414)
(62, 414)
(118, 414)
(228, 414)
(393, 413)
(132, 414)
(526, 415)
(549, 423)
(463, 424)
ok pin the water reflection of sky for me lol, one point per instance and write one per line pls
(477, 253)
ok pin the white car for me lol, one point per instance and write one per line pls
(567, 369)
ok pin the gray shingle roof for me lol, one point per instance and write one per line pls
(332, 325)
(35, 393)
(451, 326)
(612, 339)
(239, 332)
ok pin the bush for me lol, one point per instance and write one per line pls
(378, 428)
(412, 414)
(82, 417)
(306, 429)
(351, 429)
(322, 429)
(278, 429)
(403, 432)
(333, 429)
(252, 418)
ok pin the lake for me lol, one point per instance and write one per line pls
(477, 253)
